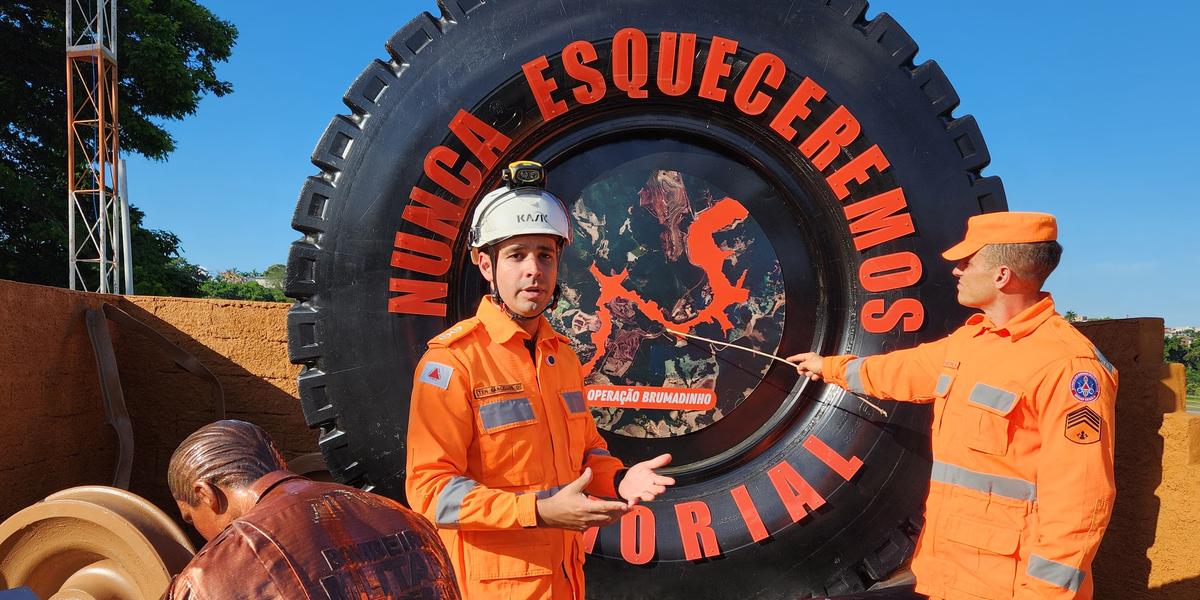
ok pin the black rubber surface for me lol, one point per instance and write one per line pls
(358, 357)
(899, 593)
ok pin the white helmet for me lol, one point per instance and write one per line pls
(508, 212)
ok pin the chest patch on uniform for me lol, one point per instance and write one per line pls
(1083, 426)
(436, 374)
(1084, 386)
(950, 364)
(496, 390)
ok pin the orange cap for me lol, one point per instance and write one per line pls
(1003, 228)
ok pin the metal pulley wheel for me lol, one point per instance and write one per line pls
(92, 543)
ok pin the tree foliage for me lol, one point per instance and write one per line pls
(233, 284)
(167, 54)
(274, 276)
(1185, 350)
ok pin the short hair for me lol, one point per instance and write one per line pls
(1033, 261)
(229, 453)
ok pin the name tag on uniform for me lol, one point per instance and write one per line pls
(951, 364)
(496, 390)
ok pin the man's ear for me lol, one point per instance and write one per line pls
(211, 496)
(485, 265)
(1003, 277)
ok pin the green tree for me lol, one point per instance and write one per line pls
(1191, 361)
(1071, 316)
(223, 287)
(1186, 351)
(167, 53)
(1175, 348)
(274, 276)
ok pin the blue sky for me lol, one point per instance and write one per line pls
(1089, 111)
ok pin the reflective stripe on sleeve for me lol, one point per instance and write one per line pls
(1055, 573)
(1009, 487)
(574, 401)
(506, 412)
(854, 376)
(994, 398)
(1108, 366)
(543, 494)
(943, 385)
(596, 452)
(449, 502)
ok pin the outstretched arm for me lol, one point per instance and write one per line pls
(905, 375)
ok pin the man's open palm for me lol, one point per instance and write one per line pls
(642, 484)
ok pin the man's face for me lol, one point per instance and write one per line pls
(524, 273)
(210, 516)
(976, 281)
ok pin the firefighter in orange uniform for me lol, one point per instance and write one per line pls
(503, 453)
(1022, 483)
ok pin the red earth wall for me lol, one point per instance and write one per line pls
(1149, 551)
(57, 436)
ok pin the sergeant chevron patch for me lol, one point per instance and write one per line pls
(1083, 426)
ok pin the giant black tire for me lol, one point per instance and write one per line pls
(857, 522)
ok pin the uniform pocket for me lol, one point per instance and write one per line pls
(498, 415)
(985, 554)
(509, 442)
(986, 424)
(506, 555)
(941, 389)
(579, 424)
(945, 381)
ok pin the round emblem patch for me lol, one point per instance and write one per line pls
(1084, 387)
(550, 360)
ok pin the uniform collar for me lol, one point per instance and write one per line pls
(1023, 324)
(502, 328)
(267, 482)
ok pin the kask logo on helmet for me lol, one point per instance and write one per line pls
(533, 218)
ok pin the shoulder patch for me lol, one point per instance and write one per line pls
(436, 374)
(1085, 387)
(455, 333)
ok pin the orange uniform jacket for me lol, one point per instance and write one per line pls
(491, 429)
(1022, 482)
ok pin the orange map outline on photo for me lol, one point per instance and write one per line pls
(702, 251)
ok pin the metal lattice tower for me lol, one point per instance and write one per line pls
(97, 215)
